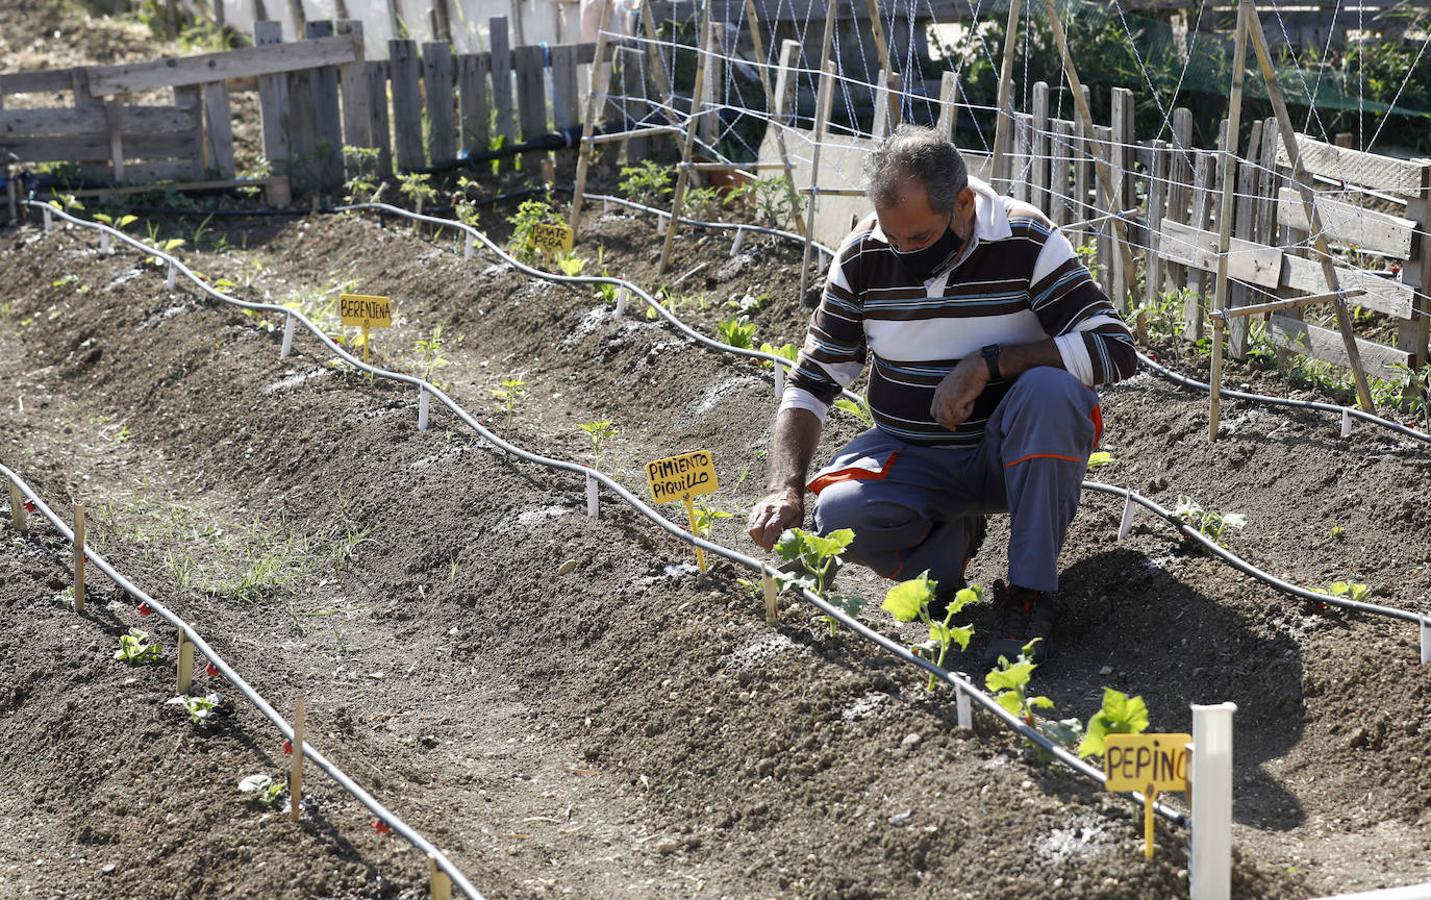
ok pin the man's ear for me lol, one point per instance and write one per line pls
(964, 212)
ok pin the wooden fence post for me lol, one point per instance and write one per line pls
(1039, 178)
(1004, 115)
(595, 104)
(403, 66)
(566, 113)
(327, 123)
(501, 50)
(437, 88)
(353, 83)
(683, 176)
(273, 103)
(472, 72)
(218, 130)
(376, 73)
(531, 102)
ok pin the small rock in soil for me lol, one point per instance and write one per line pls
(1106, 670)
(567, 567)
(667, 847)
(910, 741)
(108, 868)
(899, 820)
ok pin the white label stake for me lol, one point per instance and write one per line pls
(422, 402)
(104, 242)
(1346, 423)
(467, 247)
(961, 706)
(1425, 641)
(735, 244)
(620, 303)
(169, 278)
(593, 501)
(287, 347)
(45, 211)
(1211, 776)
(779, 381)
(1127, 524)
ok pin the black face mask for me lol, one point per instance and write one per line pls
(923, 263)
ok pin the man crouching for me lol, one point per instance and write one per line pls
(987, 336)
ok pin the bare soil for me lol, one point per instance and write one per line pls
(630, 727)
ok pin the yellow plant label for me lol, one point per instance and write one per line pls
(1137, 762)
(551, 238)
(682, 477)
(365, 311)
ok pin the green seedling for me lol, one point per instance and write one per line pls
(263, 790)
(1098, 459)
(1347, 590)
(64, 202)
(771, 201)
(784, 351)
(598, 431)
(1009, 683)
(531, 213)
(738, 331)
(570, 265)
(1120, 714)
(1337, 532)
(119, 223)
(910, 600)
(705, 517)
(417, 187)
(135, 648)
(1209, 523)
(820, 557)
(363, 162)
(429, 353)
(860, 410)
(607, 293)
(200, 709)
(702, 202)
(509, 393)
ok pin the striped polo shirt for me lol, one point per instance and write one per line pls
(1016, 281)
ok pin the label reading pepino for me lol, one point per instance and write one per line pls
(1139, 762)
(682, 477)
(365, 311)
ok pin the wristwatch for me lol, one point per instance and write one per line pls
(991, 359)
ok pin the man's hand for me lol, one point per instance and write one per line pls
(955, 396)
(781, 510)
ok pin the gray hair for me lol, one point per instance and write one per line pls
(916, 153)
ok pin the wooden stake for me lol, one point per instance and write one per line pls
(1004, 117)
(822, 121)
(691, 514)
(79, 557)
(186, 663)
(1224, 219)
(678, 199)
(595, 101)
(366, 341)
(772, 605)
(1100, 164)
(758, 44)
(440, 884)
(658, 72)
(295, 773)
(18, 516)
(1150, 797)
(1303, 182)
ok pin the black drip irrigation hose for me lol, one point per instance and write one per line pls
(384, 814)
(959, 682)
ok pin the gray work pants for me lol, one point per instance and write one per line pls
(909, 505)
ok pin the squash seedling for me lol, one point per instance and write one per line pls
(1009, 683)
(509, 393)
(598, 432)
(571, 265)
(820, 557)
(200, 709)
(1120, 714)
(860, 410)
(263, 790)
(784, 351)
(910, 600)
(1098, 459)
(738, 331)
(1347, 590)
(135, 648)
(119, 223)
(1209, 523)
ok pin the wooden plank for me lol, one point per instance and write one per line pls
(531, 101)
(1153, 261)
(180, 71)
(1243, 226)
(1414, 334)
(1267, 185)
(1384, 295)
(1102, 135)
(328, 122)
(353, 84)
(273, 104)
(377, 75)
(189, 97)
(475, 100)
(403, 67)
(1368, 170)
(1079, 211)
(1021, 157)
(1344, 223)
(114, 130)
(1246, 261)
(437, 77)
(948, 110)
(1059, 208)
(43, 81)
(62, 121)
(302, 124)
(1120, 135)
(96, 147)
(500, 47)
(1179, 190)
(566, 110)
(219, 147)
(1326, 344)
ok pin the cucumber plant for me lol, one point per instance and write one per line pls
(784, 351)
(200, 709)
(1009, 683)
(136, 649)
(1120, 714)
(860, 410)
(1209, 523)
(263, 790)
(910, 600)
(738, 331)
(820, 557)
